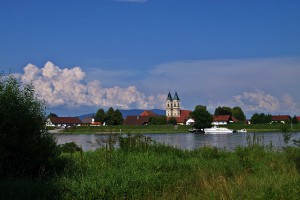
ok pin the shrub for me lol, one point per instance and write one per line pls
(26, 148)
(69, 147)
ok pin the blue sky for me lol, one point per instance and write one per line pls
(131, 53)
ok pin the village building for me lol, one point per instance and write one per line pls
(63, 121)
(137, 120)
(223, 120)
(280, 118)
(90, 121)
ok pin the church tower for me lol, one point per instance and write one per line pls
(173, 106)
(169, 105)
(176, 105)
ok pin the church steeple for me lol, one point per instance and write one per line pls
(169, 97)
(176, 97)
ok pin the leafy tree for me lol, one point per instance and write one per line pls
(202, 117)
(118, 118)
(223, 111)
(238, 113)
(295, 120)
(260, 118)
(172, 120)
(52, 115)
(100, 116)
(25, 145)
(109, 116)
(158, 120)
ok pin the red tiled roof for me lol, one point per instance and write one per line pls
(280, 117)
(65, 120)
(184, 116)
(136, 120)
(298, 118)
(148, 113)
(221, 118)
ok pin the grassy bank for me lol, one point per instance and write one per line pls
(143, 129)
(140, 170)
(264, 127)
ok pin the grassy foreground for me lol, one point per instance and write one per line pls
(143, 129)
(140, 169)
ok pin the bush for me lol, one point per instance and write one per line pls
(26, 148)
(69, 147)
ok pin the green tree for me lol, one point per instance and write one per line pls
(202, 117)
(158, 120)
(223, 111)
(295, 120)
(52, 115)
(261, 118)
(238, 113)
(109, 116)
(100, 116)
(118, 118)
(172, 120)
(25, 145)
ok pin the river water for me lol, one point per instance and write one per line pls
(186, 140)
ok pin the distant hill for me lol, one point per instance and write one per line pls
(126, 113)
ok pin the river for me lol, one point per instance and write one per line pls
(185, 140)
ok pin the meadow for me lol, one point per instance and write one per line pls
(142, 169)
(144, 129)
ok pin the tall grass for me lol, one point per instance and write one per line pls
(142, 169)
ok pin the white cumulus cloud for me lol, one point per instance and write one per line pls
(257, 101)
(67, 87)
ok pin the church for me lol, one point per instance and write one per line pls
(173, 109)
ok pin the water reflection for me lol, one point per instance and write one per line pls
(185, 140)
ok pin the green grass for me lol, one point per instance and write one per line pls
(143, 129)
(140, 170)
(263, 127)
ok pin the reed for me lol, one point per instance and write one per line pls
(142, 169)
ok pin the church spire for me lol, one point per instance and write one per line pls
(176, 97)
(169, 97)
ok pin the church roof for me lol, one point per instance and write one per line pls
(176, 97)
(148, 113)
(169, 97)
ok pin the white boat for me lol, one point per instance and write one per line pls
(242, 131)
(217, 130)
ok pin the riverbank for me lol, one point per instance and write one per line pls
(141, 170)
(147, 129)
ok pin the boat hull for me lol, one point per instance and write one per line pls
(217, 130)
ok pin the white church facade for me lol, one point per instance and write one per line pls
(173, 106)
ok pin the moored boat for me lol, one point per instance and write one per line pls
(196, 130)
(217, 130)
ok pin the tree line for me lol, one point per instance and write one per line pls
(111, 117)
(262, 118)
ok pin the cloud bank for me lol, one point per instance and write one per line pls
(67, 87)
(256, 85)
